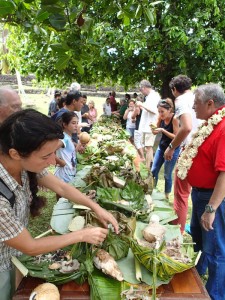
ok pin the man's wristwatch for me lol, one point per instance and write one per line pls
(209, 209)
(170, 146)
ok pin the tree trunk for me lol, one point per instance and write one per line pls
(165, 90)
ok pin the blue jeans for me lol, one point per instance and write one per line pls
(169, 165)
(211, 243)
(130, 131)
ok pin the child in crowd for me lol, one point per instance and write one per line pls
(168, 126)
(66, 155)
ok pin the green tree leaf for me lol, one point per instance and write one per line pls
(119, 42)
(57, 21)
(49, 2)
(6, 7)
(138, 12)
(62, 62)
(79, 66)
(42, 15)
(150, 16)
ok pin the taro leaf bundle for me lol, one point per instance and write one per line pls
(115, 246)
(111, 194)
(134, 194)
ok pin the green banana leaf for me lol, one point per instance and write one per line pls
(41, 270)
(103, 287)
(161, 204)
(165, 216)
(78, 181)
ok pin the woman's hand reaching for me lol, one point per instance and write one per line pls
(93, 235)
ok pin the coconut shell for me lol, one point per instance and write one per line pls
(45, 291)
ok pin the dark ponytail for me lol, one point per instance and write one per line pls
(38, 202)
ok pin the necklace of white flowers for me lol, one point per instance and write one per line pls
(204, 130)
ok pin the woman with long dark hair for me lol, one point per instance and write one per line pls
(168, 126)
(28, 141)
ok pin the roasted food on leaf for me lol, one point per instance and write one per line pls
(140, 293)
(105, 262)
(65, 266)
(174, 250)
(154, 232)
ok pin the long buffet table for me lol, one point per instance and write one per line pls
(183, 286)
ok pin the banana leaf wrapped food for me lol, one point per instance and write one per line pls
(166, 266)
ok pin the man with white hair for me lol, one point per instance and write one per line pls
(202, 164)
(75, 86)
(9, 102)
(149, 115)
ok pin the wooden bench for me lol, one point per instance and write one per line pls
(183, 286)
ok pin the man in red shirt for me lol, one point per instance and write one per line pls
(203, 164)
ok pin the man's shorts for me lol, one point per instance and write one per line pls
(138, 139)
(148, 139)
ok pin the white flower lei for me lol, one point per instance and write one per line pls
(204, 130)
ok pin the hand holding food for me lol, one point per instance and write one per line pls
(107, 218)
(153, 126)
(93, 235)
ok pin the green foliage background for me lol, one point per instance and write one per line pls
(116, 41)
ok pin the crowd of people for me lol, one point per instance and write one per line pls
(191, 128)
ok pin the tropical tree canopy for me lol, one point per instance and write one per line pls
(118, 41)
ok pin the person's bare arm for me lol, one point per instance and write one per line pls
(146, 107)
(33, 247)
(136, 112)
(60, 162)
(69, 192)
(184, 130)
(216, 199)
(126, 114)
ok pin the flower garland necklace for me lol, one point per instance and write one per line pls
(204, 130)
